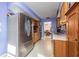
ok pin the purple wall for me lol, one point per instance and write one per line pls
(3, 33)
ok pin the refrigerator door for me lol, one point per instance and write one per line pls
(25, 45)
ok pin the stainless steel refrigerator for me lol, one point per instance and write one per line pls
(19, 35)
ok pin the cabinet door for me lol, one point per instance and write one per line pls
(72, 35)
(60, 48)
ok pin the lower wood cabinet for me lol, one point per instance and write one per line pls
(60, 48)
(73, 49)
(66, 48)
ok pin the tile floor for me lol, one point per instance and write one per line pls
(43, 48)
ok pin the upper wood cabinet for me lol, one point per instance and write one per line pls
(63, 10)
(58, 21)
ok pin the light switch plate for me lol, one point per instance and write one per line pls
(0, 24)
(0, 29)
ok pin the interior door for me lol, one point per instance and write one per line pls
(72, 36)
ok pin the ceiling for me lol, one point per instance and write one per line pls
(44, 9)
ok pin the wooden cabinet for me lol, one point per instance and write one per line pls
(63, 10)
(60, 48)
(35, 30)
(73, 30)
(58, 21)
(70, 17)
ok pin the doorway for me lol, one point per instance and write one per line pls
(47, 30)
